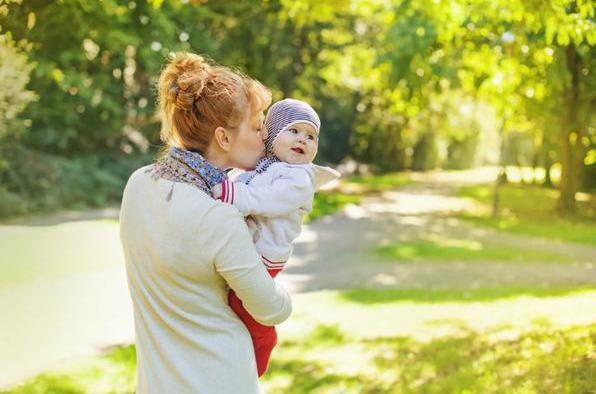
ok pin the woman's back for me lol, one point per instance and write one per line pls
(181, 247)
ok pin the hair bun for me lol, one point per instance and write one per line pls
(193, 74)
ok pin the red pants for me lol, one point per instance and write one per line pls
(264, 338)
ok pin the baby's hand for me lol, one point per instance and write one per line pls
(216, 191)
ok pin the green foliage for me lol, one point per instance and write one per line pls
(39, 182)
(96, 79)
(15, 72)
(398, 85)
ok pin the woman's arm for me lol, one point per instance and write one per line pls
(235, 258)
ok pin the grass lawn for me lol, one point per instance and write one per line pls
(350, 191)
(374, 183)
(30, 253)
(449, 250)
(372, 341)
(531, 210)
(329, 202)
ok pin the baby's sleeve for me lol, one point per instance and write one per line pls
(291, 190)
(243, 177)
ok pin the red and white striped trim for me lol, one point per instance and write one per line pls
(274, 265)
(228, 192)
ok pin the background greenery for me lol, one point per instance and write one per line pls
(399, 85)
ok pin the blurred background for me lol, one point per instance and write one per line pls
(464, 227)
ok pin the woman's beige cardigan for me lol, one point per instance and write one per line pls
(182, 251)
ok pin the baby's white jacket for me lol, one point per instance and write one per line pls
(275, 202)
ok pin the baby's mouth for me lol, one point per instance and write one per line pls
(298, 150)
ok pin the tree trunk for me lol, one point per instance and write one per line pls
(569, 137)
(502, 173)
(397, 153)
(548, 164)
(538, 148)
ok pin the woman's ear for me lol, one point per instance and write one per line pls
(222, 138)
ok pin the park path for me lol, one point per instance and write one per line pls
(334, 252)
(46, 323)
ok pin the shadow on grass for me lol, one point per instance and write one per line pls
(381, 296)
(327, 360)
(322, 335)
(54, 383)
(541, 361)
(544, 360)
(113, 372)
(312, 376)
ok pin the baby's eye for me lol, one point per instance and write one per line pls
(311, 137)
(293, 131)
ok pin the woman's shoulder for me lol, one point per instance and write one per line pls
(140, 173)
(144, 185)
(137, 181)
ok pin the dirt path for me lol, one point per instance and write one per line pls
(334, 253)
(48, 322)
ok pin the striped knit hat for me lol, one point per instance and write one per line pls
(286, 113)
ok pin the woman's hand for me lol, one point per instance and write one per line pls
(216, 191)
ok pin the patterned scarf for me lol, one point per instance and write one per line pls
(183, 166)
(262, 166)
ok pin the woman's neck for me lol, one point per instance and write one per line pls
(217, 158)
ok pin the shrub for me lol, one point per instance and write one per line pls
(36, 182)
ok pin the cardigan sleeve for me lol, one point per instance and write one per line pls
(229, 244)
(294, 188)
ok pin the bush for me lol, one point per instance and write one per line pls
(36, 182)
(11, 203)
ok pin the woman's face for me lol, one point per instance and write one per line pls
(248, 146)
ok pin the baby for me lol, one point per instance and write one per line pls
(275, 197)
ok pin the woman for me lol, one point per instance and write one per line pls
(184, 250)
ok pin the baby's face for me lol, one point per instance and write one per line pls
(297, 144)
